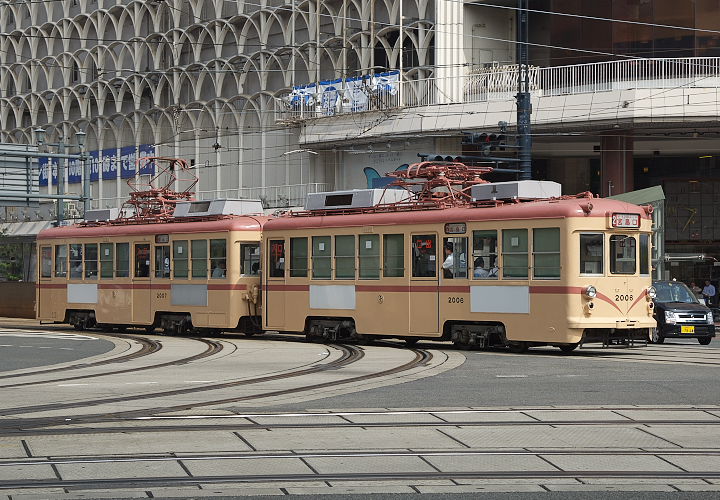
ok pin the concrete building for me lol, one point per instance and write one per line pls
(279, 98)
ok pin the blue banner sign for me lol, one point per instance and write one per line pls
(105, 161)
(109, 164)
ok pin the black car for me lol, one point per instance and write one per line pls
(679, 314)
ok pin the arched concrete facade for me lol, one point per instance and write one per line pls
(188, 75)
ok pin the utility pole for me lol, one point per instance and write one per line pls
(524, 106)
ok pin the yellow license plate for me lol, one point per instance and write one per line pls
(687, 329)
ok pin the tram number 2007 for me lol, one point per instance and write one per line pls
(455, 300)
(619, 298)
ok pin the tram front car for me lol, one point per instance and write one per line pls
(610, 275)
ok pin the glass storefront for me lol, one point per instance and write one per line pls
(624, 38)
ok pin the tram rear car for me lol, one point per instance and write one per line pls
(175, 275)
(557, 272)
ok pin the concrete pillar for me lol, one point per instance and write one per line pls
(616, 154)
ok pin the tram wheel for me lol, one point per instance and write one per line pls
(567, 348)
(704, 340)
(411, 342)
(150, 328)
(518, 347)
(655, 336)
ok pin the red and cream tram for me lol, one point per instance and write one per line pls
(196, 271)
(482, 272)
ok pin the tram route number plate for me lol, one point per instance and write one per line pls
(625, 220)
(687, 329)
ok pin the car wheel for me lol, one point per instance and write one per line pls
(655, 336)
(704, 340)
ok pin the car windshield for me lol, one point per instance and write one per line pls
(674, 292)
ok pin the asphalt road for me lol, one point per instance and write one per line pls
(544, 376)
(19, 349)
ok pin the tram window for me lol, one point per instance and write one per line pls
(218, 258)
(46, 262)
(454, 258)
(424, 258)
(162, 261)
(393, 255)
(106, 260)
(591, 253)
(142, 260)
(277, 258)
(345, 257)
(644, 254)
(122, 262)
(369, 256)
(321, 258)
(91, 261)
(298, 257)
(515, 253)
(485, 261)
(199, 258)
(61, 261)
(250, 259)
(546, 253)
(76, 265)
(180, 259)
(622, 254)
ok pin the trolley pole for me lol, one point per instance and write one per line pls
(524, 106)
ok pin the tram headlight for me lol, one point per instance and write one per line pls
(670, 318)
(651, 292)
(591, 292)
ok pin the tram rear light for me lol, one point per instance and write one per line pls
(591, 292)
(651, 292)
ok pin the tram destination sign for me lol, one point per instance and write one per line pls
(625, 220)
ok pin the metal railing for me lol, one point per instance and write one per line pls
(499, 83)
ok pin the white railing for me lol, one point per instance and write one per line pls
(499, 83)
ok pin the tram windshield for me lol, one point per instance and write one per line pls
(674, 292)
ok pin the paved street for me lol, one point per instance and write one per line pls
(150, 416)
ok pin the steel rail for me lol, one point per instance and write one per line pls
(212, 348)
(149, 346)
(136, 482)
(350, 354)
(5, 432)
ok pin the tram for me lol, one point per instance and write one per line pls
(171, 263)
(505, 264)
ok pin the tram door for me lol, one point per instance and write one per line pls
(274, 303)
(623, 261)
(141, 288)
(424, 285)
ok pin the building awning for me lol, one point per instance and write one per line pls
(641, 196)
(14, 232)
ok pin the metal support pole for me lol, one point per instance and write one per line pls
(60, 183)
(87, 206)
(524, 106)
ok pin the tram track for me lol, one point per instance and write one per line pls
(186, 461)
(148, 346)
(213, 348)
(351, 354)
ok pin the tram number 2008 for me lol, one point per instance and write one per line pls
(455, 300)
(619, 298)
